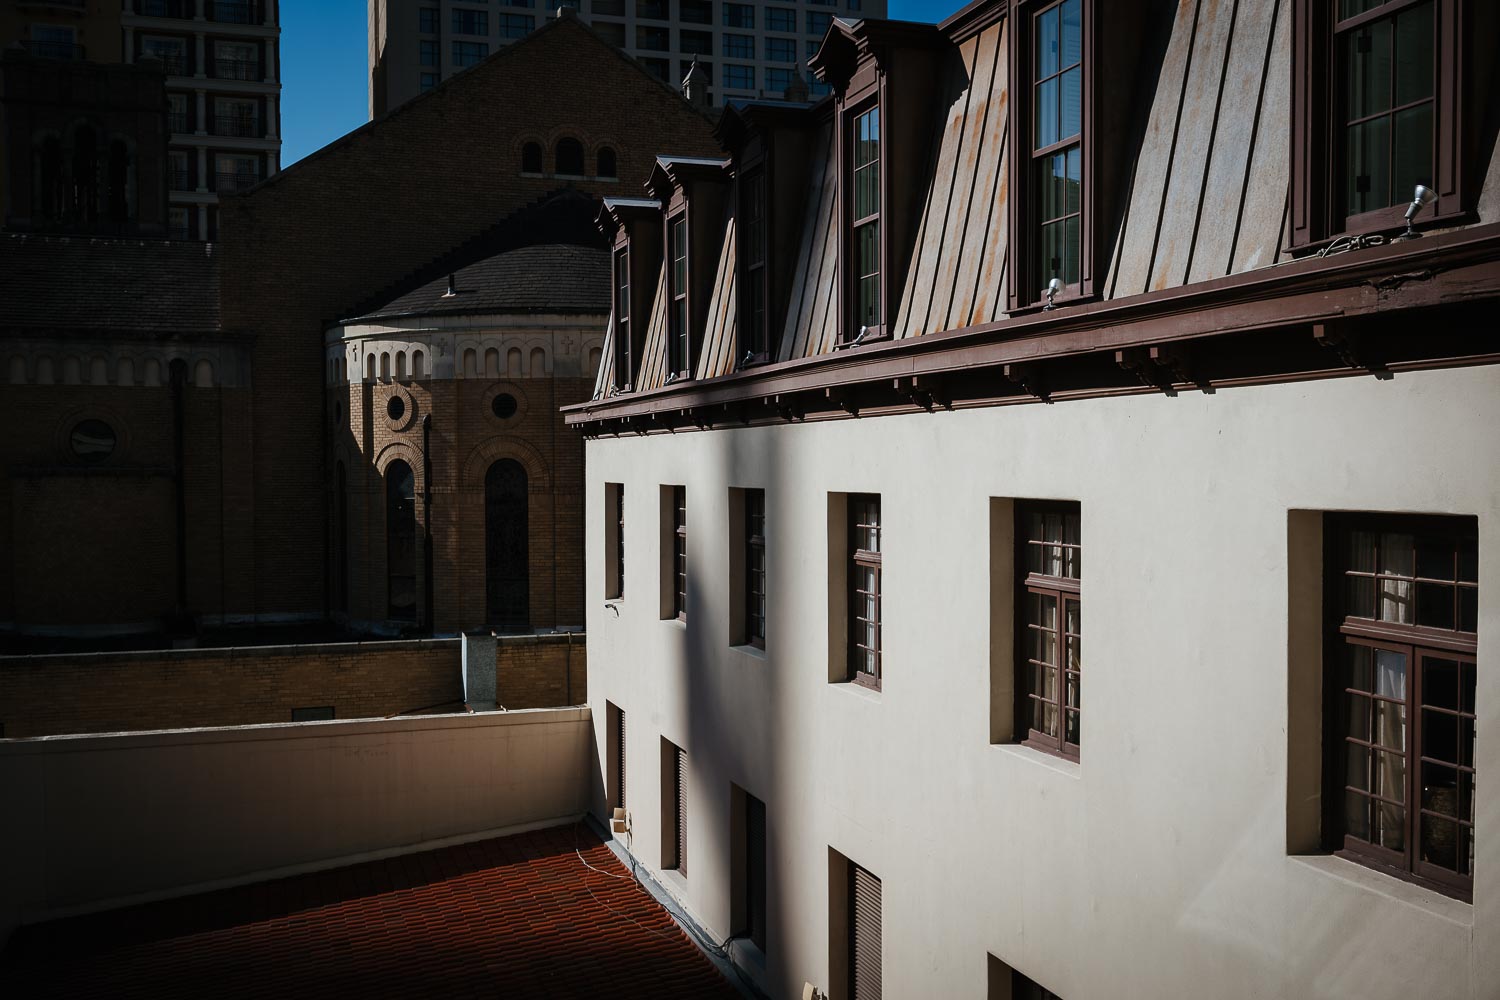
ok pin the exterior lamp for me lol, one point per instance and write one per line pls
(1424, 195)
(1053, 287)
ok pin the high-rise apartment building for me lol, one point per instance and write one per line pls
(223, 113)
(746, 51)
(223, 98)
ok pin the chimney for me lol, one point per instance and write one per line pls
(695, 86)
(452, 286)
(796, 90)
(565, 8)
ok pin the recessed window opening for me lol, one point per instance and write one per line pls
(401, 542)
(1049, 633)
(606, 163)
(753, 244)
(531, 158)
(395, 408)
(1401, 687)
(569, 157)
(622, 319)
(864, 657)
(503, 405)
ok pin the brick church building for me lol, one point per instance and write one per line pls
(300, 423)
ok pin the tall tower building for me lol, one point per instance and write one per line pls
(746, 51)
(222, 59)
(219, 60)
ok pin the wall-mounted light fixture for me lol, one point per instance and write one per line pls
(1424, 195)
(1053, 287)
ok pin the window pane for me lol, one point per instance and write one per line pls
(1362, 596)
(1390, 725)
(1369, 165)
(1413, 151)
(1349, 8)
(1070, 273)
(1359, 667)
(1388, 776)
(1357, 767)
(1073, 728)
(1435, 605)
(1390, 674)
(1358, 707)
(1434, 558)
(1390, 827)
(1074, 182)
(1072, 104)
(1044, 718)
(1072, 32)
(1468, 609)
(1053, 250)
(1047, 43)
(1369, 52)
(1414, 51)
(1362, 552)
(1440, 843)
(1356, 815)
(1044, 611)
(1045, 114)
(1439, 685)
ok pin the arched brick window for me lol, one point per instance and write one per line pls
(401, 542)
(607, 167)
(531, 158)
(570, 157)
(507, 577)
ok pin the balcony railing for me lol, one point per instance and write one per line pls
(65, 4)
(236, 69)
(242, 126)
(53, 50)
(236, 12)
(172, 65)
(179, 233)
(165, 8)
(177, 121)
(236, 181)
(180, 180)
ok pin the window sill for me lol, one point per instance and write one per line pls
(754, 652)
(1429, 901)
(678, 623)
(1053, 762)
(861, 690)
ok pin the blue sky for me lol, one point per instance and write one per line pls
(323, 66)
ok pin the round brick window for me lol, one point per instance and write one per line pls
(503, 405)
(395, 408)
(92, 441)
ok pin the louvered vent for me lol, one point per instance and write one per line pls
(681, 782)
(864, 934)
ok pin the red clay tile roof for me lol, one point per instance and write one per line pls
(514, 917)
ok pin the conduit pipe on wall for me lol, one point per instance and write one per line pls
(427, 520)
(181, 623)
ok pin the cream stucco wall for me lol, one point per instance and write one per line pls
(91, 821)
(1156, 867)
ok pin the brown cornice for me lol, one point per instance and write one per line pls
(970, 20)
(1459, 268)
(675, 173)
(617, 213)
(848, 44)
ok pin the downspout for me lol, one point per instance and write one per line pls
(180, 624)
(427, 519)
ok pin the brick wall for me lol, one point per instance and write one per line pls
(330, 232)
(191, 688)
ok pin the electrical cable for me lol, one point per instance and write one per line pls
(720, 949)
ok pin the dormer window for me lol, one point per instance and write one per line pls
(680, 362)
(864, 222)
(754, 338)
(1376, 90)
(622, 318)
(1057, 138)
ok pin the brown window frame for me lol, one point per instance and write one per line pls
(862, 560)
(1027, 278)
(614, 580)
(755, 568)
(621, 288)
(1318, 213)
(754, 233)
(614, 735)
(1062, 590)
(679, 314)
(1415, 643)
(856, 110)
(679, 552)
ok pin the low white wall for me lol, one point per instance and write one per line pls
(90, 820)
